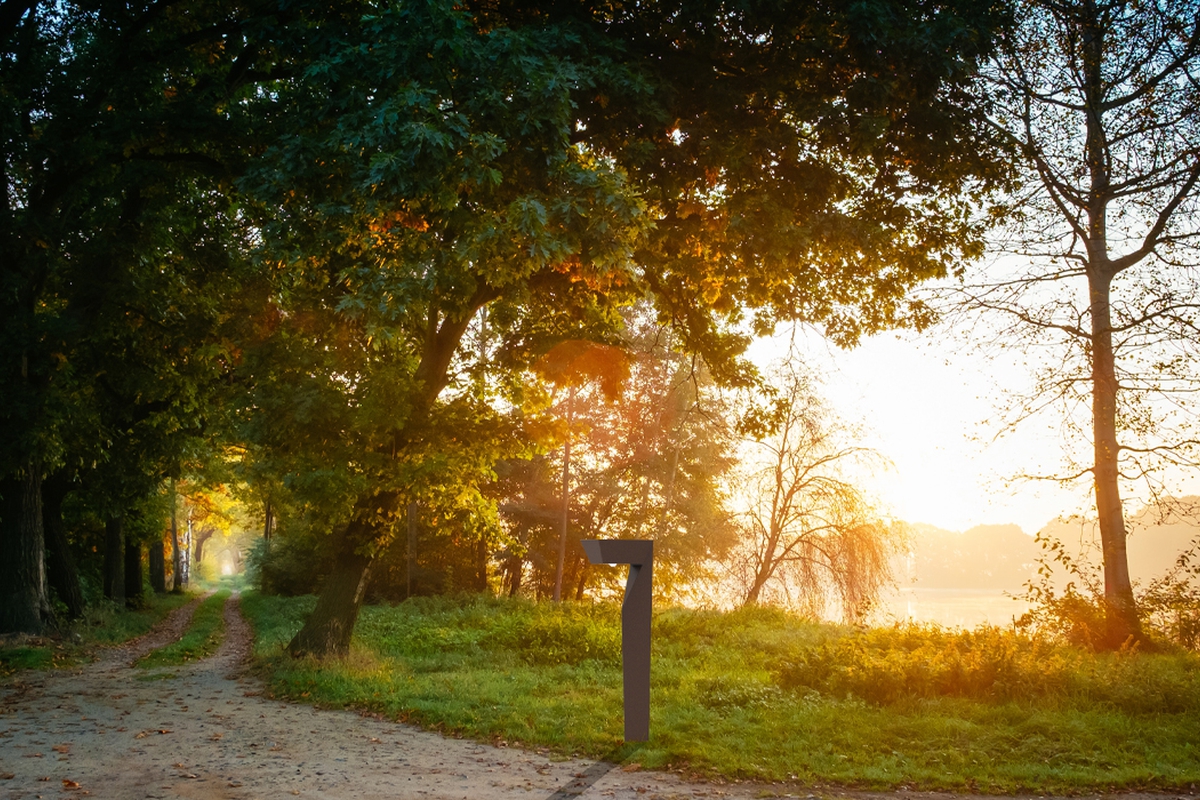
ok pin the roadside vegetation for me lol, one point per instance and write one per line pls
(201, 639)
(104, 625)
(763, 694)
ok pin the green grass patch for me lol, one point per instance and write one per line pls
(763, 694)
(201, 639)
(78, 642)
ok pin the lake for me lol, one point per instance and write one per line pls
(951, 608)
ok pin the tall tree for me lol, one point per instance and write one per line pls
(1100, 100)
(809, 163)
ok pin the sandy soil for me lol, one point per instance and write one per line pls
(202, 731)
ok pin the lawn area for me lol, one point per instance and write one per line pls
(78, 642)
(762, 694)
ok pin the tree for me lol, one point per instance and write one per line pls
(648, 459)
(509, 160)
(1100, 101)
(122, 128)
(810, 535)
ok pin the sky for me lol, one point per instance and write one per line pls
(925, 403)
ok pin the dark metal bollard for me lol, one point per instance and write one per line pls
(635, 624)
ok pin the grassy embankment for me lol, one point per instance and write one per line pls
(765, 695)
(79, 641)
(200, 640)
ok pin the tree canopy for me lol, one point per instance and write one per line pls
(337, 238)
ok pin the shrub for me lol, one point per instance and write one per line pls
(565, 634)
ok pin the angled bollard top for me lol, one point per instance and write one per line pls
(635, 624)
(619, 551)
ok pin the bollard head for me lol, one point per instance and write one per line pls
(619, 551)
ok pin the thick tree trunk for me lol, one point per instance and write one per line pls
(158, 567)
(328, 629)
(114, 559)
(24, 599)
(133, 575)
(1121, 617)
(60, 563)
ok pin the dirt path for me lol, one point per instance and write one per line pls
(108, 730)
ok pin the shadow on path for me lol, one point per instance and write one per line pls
(590, 776)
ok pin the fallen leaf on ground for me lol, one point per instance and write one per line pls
(70, 784)
(164, 730)
(61, 748)
(6, 776)
(33, 755)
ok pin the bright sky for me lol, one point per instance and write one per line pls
(924, 402)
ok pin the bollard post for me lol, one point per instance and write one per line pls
(635, 624)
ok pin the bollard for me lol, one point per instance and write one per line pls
(635, 624)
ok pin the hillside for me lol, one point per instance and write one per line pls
(1003, 557)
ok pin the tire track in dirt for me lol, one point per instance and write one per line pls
(204, 731)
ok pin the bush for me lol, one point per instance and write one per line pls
(567, 634)
(290, 565)
(886, 666)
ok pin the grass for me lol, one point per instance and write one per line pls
(201, 639)
(78, 642)
(764, 695)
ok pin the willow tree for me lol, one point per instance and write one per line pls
(1101, 100)
(737, 166)
(810, 536)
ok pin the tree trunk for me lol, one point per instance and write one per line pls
(176, 556)
(755, 591)
(24, 599)
(158, 566)
(114, 559)
(133, 575)
(566, 501)
(328, 629)
(481, 564)
(516, 568)
(583, 576)
(202, 536)
(1121, 617)
(60, 563)
(268, 523)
